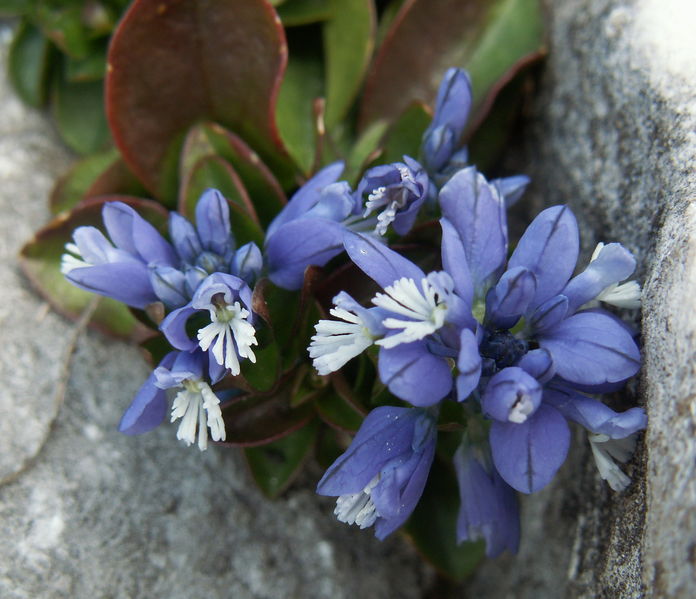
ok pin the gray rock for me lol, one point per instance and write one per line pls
(614, 137)
(86, 512)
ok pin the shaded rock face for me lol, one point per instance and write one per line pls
(614, 136)
(86, 512)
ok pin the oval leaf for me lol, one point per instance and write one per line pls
(221, 60)
(488, 37)
(349, 38)
(28, 64)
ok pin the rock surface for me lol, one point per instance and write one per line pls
(614, 136)
(86, 512)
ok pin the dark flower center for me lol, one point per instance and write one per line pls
(501, 349)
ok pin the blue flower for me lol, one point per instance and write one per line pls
(140, 267)
(557, 341)
(381, 476)
(309, 230)
(488, 507)
(442, 139)
(228, 332)
(120, 270)
(195, 403)
(398, 191)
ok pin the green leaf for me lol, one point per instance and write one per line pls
(275, 465)
(264, 190)
(405, 135)
(223, 60)
(63, 25)
(365, 150)
(295, 110)
(28, 64)
(303, 12)
(90, 68)
(72, 187)
(214, 172)
(432, 527)
(263, 374)
(78, 109)
(338, 413)
(349, 38)
(491, 38)
(40, 261)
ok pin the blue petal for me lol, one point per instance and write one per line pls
(97, 249)
(508, 300)
(378, 262)
(213, 223)
(231, 287)
(306, 196)
(539, 364)
(506, 390)
(614, 264)
(335, 202)
(248, 263)
(169, 284)
(127, 282)
(131, 232)
(549, 313)
(385, 434)
(592, 349)
(528, 455)
(410, 494)
(488, 504)
(174, 328)
(549, 248)
(478, 215)
(184, 237)
(299, 244)
(415, 375)
(468, 364)
(454, 261)
(594, 415)
(511, 189)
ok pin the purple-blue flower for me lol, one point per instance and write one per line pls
(195, 403)
(396, 191)
(381, 476)
(488, 507)
(309, 230)
(119, 268)
(227, 333)
(555, 338)
(443, 137)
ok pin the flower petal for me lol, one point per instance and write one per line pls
(595, 416)
(306, 196)
(378, 262)
(549, 248)
(127, 282)
(299, 244)
(468, 364)
(613, 264)
(415, 375)
(508, 300)
(592, 348)
(213, 223)
(528, 455)
(478, 215)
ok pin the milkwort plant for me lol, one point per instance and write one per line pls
(516, 345)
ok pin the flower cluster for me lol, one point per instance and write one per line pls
(520, 341)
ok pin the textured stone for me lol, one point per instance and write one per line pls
(97, 514)
(614, 136)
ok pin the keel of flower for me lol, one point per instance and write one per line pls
(425, 311)
(198, 407)
(605, 450)
(229, 333)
